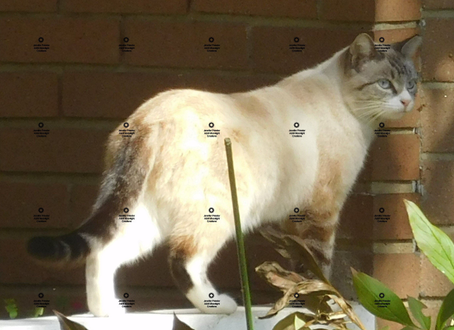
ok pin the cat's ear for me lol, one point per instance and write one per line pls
(410, 46)
(362, 50)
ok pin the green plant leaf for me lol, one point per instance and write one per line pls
(67, 324)
(38, 311)
(446, 310)
(294, 321)
(416, 309)
(298, 323)
(179, 325)
(370, 291)
(11, 308)
(432, 241)
(386, 327)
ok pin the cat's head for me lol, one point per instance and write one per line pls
(380, 85)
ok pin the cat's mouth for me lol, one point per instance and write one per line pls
(396, 113)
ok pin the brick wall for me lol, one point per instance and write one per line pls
(435, 144)
(83, 86)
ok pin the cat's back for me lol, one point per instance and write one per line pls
(176, 103)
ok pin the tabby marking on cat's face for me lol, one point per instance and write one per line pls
(380, 85)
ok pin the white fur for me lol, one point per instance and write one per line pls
(200, 293)
(133, 240)
(274, 171)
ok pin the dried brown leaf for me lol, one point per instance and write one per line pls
(277, 276)
(179, 325)
(294, 321)
(345, 306)
(316, 304)
(293, 247)
(67, 324)
(307, 287)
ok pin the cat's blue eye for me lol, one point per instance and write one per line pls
(411, 84)
(384, 83)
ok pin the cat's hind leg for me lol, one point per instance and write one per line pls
(131, 241)
(189, 263)
(318, 233)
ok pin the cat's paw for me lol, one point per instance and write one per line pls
(117, 310)
(107, 309)
(226, 305)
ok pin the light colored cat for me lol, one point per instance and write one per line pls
(169, 173)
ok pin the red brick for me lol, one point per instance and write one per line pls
(17, 267)
(292, 8)
(396, 157)
(21, 201)
(399, 272)
(370, 10)
(357, 218)
(81, 202)
(404, 10)
(29, 5)
(66, 151)
(133, 6)
(348, 10)
(178, 44)
(436, 119)
(395, 35)
(433, 282)
(398, 226)
(437, 4)
(438, 182)
(271, 53)
(438, 50)
(79, 40)
(122, 93)
(40, 99)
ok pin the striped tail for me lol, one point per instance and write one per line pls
(122, 186)
(67, 248)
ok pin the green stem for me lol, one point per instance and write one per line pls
(239, 238)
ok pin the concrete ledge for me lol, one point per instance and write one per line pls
(163, 320)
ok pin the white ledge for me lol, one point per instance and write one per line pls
(163, 320)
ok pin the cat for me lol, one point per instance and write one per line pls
(169, 174)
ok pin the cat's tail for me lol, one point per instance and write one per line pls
(129, 161)
(67, 248)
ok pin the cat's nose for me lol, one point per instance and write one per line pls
(405, 102)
